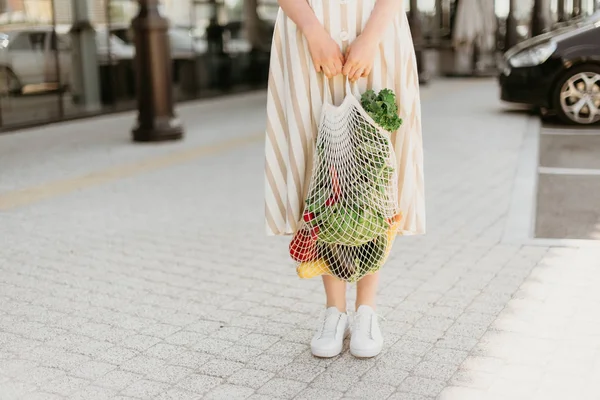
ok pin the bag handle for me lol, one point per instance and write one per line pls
(351, 88)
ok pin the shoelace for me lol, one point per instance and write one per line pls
(329, 325)
(363, 320)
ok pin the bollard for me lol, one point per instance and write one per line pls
(510, 38)
(414, 21)
(156, 116)
(539, 21)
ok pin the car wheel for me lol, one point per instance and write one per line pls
(9, 83)
(577, 95)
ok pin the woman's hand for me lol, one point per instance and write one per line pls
(325, 52)
(360, 55)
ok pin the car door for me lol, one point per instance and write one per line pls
(57, 56)
(26, 56)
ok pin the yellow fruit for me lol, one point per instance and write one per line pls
(310, 269)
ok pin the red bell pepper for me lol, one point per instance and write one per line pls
(303, 246)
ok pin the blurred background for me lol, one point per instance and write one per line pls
(220, 46)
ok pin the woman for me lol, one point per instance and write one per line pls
(367, 42)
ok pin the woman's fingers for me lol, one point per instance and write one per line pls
(327, 71)
(338, 65)
(366, 72)
(357, 74)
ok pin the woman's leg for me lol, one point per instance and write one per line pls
(367, 340)
(335, 289)
(328, 340)
(366, 290)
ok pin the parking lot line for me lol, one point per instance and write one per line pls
(571, 132)
(568, 171)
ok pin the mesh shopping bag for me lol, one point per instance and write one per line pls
(351, 211)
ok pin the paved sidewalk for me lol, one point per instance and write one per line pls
(140, 271)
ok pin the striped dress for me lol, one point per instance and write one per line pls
(294, 105)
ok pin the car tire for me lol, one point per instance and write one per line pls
(9, 82)
(576, 95)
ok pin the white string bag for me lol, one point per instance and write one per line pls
(351, 210)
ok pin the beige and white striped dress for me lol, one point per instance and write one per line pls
(294, 105)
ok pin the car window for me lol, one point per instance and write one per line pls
(125, 34)
(60, 42)
(180, 39)
(38, 40)
(102, 40)
(20, 41)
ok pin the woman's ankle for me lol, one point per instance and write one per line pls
(341, 307)
(364, 303)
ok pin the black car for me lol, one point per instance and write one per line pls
(558, 71)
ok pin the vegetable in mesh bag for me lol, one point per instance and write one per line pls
(351, 203)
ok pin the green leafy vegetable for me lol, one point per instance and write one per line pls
(382, 108)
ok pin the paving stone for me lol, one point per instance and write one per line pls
(117, 379)
(240, 353)
(349, 365)
(423, 386)
(250, 377)
(160, 330)
(408, 396)
(145, 389)
(199, 383)
(227, 391)
(260, 341)
(178, 394)
(301, 372)
(386, 375)
(435, 370)
(38, 375)
(468, 330)
(142, 365)
(258, 396)
(185, 338)
(299, 336)
(212, 346)
(368, 390)
(230, 333)
(431, 322)
(397, 360)
(94, 393)
(164, 351)
(190, 359)
(318, 394)
(66, 385)
(93, 370)
(169, 374)
(411, 346)
(220, 368)
(286, 349)
(279, 387)
(116, 355)
(425, 335)
(446, 356)
(43, 396)
(271, 363)
(456, 342)
(334, 381)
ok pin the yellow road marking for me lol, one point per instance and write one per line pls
(47, 190)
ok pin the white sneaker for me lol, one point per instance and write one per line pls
(329, 337)
(367, 340)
